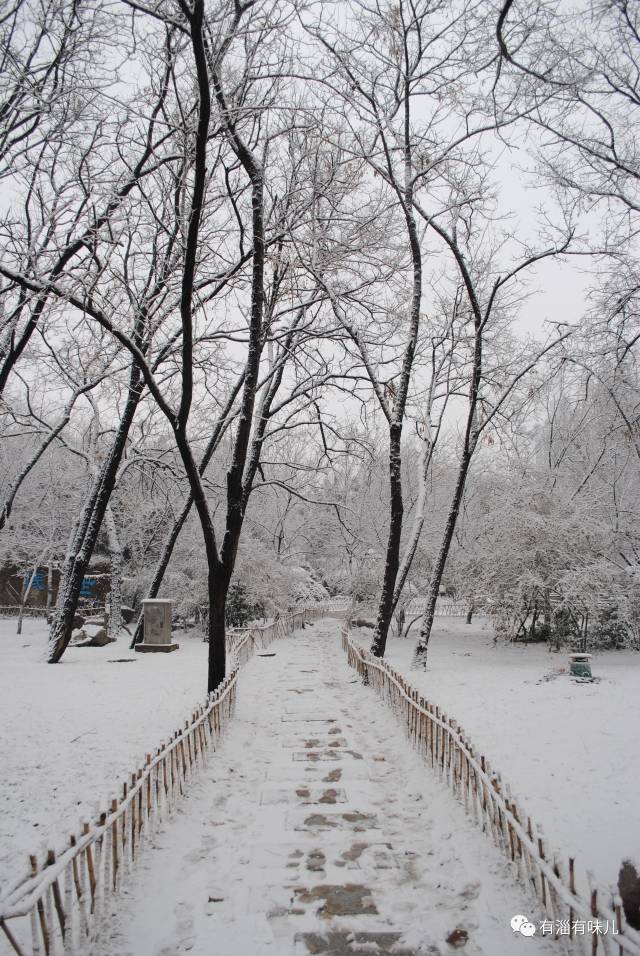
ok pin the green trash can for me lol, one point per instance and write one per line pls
(580, 665)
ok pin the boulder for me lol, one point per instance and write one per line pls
(96, 638)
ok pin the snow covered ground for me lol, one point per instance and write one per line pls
(316, 829)
(71, 733)
(568, 750)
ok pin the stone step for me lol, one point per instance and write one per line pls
(346, 943)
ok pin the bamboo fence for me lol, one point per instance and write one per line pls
(243, 641)
(588, 924)
(29, 610)
(56, 907)
(442, 609)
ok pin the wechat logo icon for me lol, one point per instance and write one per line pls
(520, 924)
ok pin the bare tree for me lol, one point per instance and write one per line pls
(395, 70)
(484, 307)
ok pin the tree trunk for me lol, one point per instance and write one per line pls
(559, 629)
(215, 567)
(88, 528)
(392, 562)
(114, 620)
(422, 646)
(396, 418)
(24, 597)
(418, 523)
(50, 571)
(470, 613)
(218, 588)
(163, 561)
(470, 443)
(548, 614)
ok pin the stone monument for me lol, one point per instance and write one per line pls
(157, 626)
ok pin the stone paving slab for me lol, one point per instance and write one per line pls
(303, 795)
(346, 943)
(292, 717)
(316, 772)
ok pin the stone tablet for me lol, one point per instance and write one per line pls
(157, 626)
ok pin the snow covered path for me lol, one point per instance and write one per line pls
(316, 829)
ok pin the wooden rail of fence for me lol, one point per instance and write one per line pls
(62, 897)
(442, 609)
(12, 610)
(31, 610)
(245, 640)
(443, 742)
(56, 907)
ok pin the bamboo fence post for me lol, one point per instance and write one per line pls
(124, 832)
(88, 854)
(520, 860)
(617, 909)
(552, 896)
(133, 817)
(190, 756)
(593, 900)
(171, 772)
(76, 882)
(42, 918)
(49, 919)
(101, 866)
(559, 903)
(140, 780)
(76, 877)
(541, 855)
(436, 729)
(467, 770)
(68, 887)
(114, 845)
(13, 941)
(57, 896)
(510, 836)
(502, 823)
